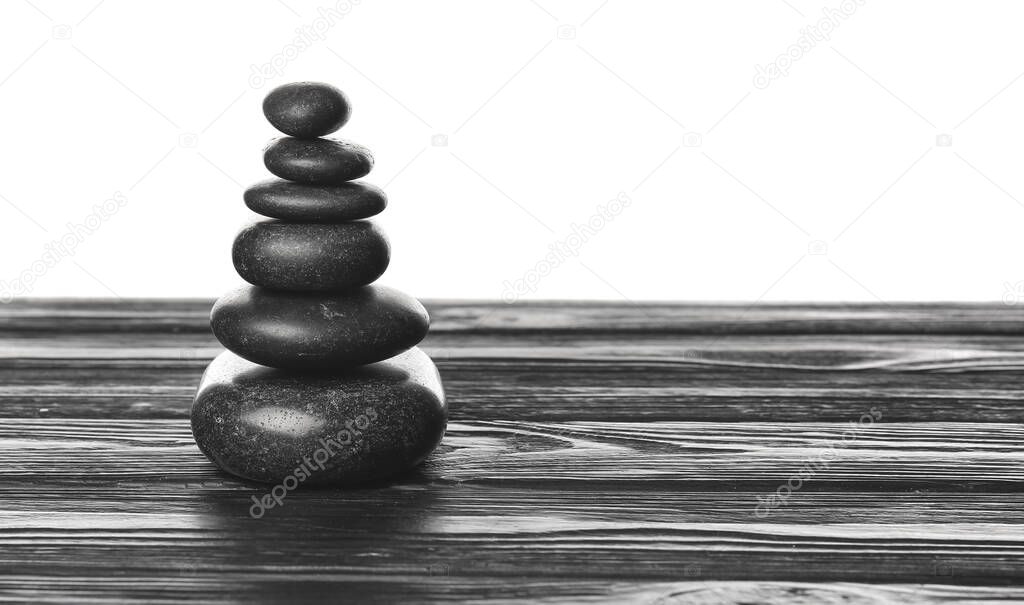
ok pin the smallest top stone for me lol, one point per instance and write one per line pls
(307, 110)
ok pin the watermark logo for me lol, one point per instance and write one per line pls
(810, 37)
(943, 569)
(63, 247)
(344, 440)
(439, 569)
(566, 32)
(188, 140)
(1013, 293)
(61, 32)
(305, 38)
(811, 467)
(565, 248)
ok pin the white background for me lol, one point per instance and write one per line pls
(550, 109)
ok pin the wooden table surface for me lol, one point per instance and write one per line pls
(596, 452)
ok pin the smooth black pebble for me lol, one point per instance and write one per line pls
(310, 256)
(317, 161)
(318, 330)
(307, 109)
(290, 201)
(351, 426)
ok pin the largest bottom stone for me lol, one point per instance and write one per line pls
(358, 425)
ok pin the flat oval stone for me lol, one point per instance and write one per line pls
(290, 201)
(345, 427)
(307, 109)
(317, 161)
(312, 331)
(310, 256)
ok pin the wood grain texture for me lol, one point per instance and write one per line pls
(597, 453)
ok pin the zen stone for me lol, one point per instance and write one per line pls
(307, 109)
(317, 161)
(344, 427)
(311, 256)
(317, 331)
(315, 204)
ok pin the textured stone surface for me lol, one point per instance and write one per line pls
(367, 423)
(317, 161)
(310, 256)
(286, 200)
(307, 109)
(318, 330)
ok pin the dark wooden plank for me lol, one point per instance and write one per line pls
(554, 317)
(578, 377)
(957, 455)
(598, 452)
(642, 500)
(176, 585)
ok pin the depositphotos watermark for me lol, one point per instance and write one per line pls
(64, 246)
(565, 248)
(345, 439)
(1013, 294)
(306, 37)
(811, 466)
(810, 37)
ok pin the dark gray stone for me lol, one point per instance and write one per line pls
(308, 330)
(307, 109)
(317, 161)
(290, 201)
(310, 256)
(363, 424)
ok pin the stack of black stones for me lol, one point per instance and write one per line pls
(322, 381)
